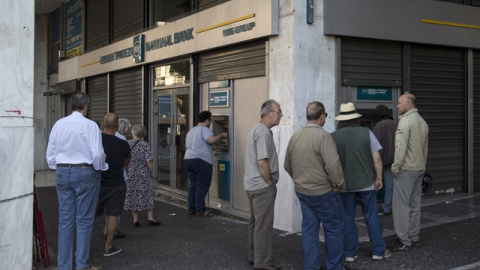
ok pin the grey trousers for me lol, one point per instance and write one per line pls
(262, 204)
(406, 205)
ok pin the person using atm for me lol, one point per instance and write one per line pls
(198, 162)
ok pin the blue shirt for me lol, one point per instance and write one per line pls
(197, 146)
(75, 140)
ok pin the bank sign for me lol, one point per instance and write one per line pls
(374, 93)
(137, 51)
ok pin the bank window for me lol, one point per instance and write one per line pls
(173, 74)
(164, 11)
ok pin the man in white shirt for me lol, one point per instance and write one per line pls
(75, 151)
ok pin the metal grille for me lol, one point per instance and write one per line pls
(371, 62)
(127, 96)
(97, 90)
(206, 4)
(242, 61)
(438, 83)
(54, 57)
(476, 120)
(97, 24)
(127, 18)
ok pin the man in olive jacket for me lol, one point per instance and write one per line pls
(313, 163)
(408, 169)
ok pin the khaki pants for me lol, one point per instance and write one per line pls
(262, 204)
(406, 205)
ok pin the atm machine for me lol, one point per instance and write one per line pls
(367, 98)
(220, 104)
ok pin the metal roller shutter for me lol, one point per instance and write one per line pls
(206, 4)
(97, 90)
(127, 96)
(97, 24)
(438, 83)
(476, 119)
(127, 18)
(371, 62)
(242, 61)
(54, 58)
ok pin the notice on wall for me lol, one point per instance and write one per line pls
(374, 93)
(219, 99)
(73, 35)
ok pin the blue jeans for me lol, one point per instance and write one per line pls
(199, 180)
(77, 192)
(388, 183)
(368, 201)
(328, 210)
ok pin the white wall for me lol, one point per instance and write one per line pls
(301, 70)
(40, 86)
(17, 28)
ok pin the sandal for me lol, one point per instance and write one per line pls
(205, 214)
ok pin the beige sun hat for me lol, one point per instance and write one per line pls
(347, 112)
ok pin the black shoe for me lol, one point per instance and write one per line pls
(250, 262)
(136, 223)
(191, 213)
(154, 223)
(399, 246)
(416, 243)
(272, 267)
(119, 235)
(387, 213)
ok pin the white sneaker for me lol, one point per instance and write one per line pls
(387, 254)
(351, 259)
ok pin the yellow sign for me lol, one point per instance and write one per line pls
(73, 52)
(222, 167)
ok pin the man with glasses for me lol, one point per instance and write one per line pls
(261, 177)
(75, 151)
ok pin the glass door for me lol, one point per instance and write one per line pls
(172, 116)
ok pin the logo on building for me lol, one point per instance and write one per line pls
(139, 48)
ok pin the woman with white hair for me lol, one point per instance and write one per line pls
(123, 126)
(140, 170)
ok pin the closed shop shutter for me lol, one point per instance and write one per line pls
(438, 83)
(127, 18)
(127, 96)
(97, 24)
(54, 58)
(476, 120)
(206, 4)
(97, 90)
(366, 62)
(241, 61)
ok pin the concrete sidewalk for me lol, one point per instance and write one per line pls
(450, 235)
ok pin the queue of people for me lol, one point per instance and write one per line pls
(99, 173)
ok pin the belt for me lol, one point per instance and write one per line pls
(83, 165)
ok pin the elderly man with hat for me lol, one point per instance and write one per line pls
(359, 154)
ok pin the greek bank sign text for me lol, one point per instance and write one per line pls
(140, 46)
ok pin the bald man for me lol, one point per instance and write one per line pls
(408, 168)
(113, 189)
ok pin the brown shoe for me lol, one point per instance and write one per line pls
(272, 267)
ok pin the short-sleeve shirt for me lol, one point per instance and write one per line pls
(260, 145)
(117, 150)
(197, 146)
